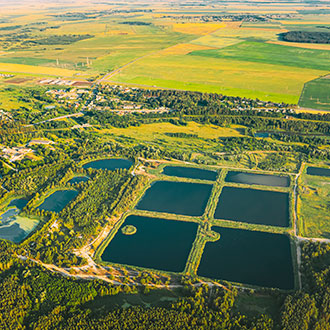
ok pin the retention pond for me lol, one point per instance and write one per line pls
(258, 179)
(157, 243)
(190, 172)
(320, 171)
(78, 179)
(110, 164)
(249, 257)
(176, 197)
(57, 201)
(14, 227)
(261, 207)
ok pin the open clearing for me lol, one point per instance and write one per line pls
(313, 207)
(157, 130)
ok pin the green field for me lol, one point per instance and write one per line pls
(314, 202)
(277, 83)
(316, 94)
(124, 49)
(271, 54)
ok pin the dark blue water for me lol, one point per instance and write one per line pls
(176, 197)
(261, 134)
(57, 201)
(13, 233)
(158, 244)
(20, 203)
(249, 257)
(253, 206)
(78, 179)
(6, 216)
(190, 172)
(258, 179)
(318, 171)
(110, 164)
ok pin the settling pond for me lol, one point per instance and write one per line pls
(320, 171)
(158, 243)
(176, 197)
(57, 201)
(190, 172)
(249, 257)
(258, 179)
(253, 206)
(110, 164)
(78, 179)
(14, 227)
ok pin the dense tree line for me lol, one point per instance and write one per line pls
(135, 23)
(65, 39)
(31, 180)
(310, 308)
(306, 36)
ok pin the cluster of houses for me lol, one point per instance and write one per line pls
(13, 154)
(6, 75)
(72, 94)
(64, 82)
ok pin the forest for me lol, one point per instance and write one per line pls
(306, 36)
(54, 302)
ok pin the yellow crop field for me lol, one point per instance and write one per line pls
(216, 42)
(197, 28)
(21, 68)
(157, 130)
(183, 49)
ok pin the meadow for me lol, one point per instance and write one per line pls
(278, 83)
(313, 206)
(316, 94)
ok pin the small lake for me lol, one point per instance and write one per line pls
(14, 227)
(57, 201)
(258, 179)
(249, 257)
(110, 164)
(78, 179)
(190, 172)
(320, 171)
(158, 244)
(261, 135)
(253, 206)
(20, 203)
(176, 197)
